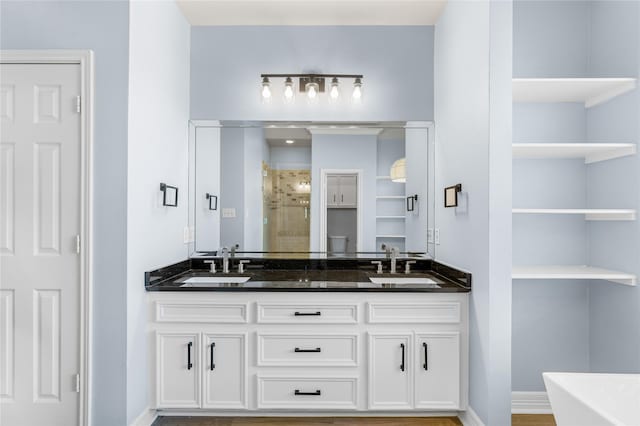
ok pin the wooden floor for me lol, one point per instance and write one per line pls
(517, 420)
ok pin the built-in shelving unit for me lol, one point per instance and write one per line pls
(390, 211)
(590, 91)
(591, 152)
(571, 272)
(589, 214)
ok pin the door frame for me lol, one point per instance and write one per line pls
(85, 59)
(323, 205)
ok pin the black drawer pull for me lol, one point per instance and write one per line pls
(425, 366)
(402, 365)
(307, 350)
(189, 364)
(213, 365)
(316, 393)
(307, 314)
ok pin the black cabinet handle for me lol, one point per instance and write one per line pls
(307, 350)
(425, 366)
(298, 392)
(189, 365)
(402, 365)
(213, 365)
(307, 314)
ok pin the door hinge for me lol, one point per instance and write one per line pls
(77, 383)
(78, 104)
(78, 244)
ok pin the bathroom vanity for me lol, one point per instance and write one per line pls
(308, 336)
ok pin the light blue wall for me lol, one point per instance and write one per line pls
(473, 147)
(397, 64)
(232, 185)
(102, 26)
(284, 157)
(615, 309)
(356, 152)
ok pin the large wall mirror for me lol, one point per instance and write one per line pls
(307, 187)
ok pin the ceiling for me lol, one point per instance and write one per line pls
(312, 12)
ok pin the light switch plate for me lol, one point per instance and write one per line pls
(229, 212)
(436, 236)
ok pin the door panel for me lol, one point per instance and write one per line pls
(349, 191)
(39, 264)
(178, 370)
(390, 373)
(225, 380)
(438, 371)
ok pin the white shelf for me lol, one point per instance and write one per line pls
(591, 152)
(390, 236)
(589, 214)
(591, 91)
(577, 272)
(391, 217)
(390, 197)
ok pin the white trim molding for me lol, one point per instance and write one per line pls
(530, 403)
(470, 418)
(146, 418)
(85, 59)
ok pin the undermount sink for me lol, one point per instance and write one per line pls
(404, 281)
(207, 281)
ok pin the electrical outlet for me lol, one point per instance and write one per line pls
(430, 235)
(436, 236)
(185, 235)
(229, 212)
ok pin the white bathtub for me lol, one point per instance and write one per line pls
(586, 399)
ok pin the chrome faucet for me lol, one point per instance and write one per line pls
(394, 259)
(225, 260)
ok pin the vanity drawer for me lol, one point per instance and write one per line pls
(307, 313)
(196, 311)
(335, 393)
(309, 350)
(408, 313)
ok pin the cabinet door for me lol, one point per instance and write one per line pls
(349, 191)
(177, 370)
(438, 371)
(225, 371)
(333, 191)
(390, 371)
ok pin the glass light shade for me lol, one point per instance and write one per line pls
(266, 90)
(334, 92)
(312, 90)
(398, 171)
(356, 96)
(288, 90)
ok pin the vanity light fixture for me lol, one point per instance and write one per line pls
(398, 172)
(313, 85)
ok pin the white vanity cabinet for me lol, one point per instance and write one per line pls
(342, 191)
(309, 352)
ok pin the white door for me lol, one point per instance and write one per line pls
(207, 192)
(178, 370)
(349, 191)
(40, 265)
(390, 371)
(438, 371)
(333, 190)
(225, 369)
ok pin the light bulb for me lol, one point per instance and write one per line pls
(334, 93)
(266, 89)
(288, 90)
(357, 90)
(312, 90)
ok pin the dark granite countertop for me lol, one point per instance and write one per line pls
(328, 275)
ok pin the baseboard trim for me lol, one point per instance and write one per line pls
(470, 418)
(146, 418)
(530, 403)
